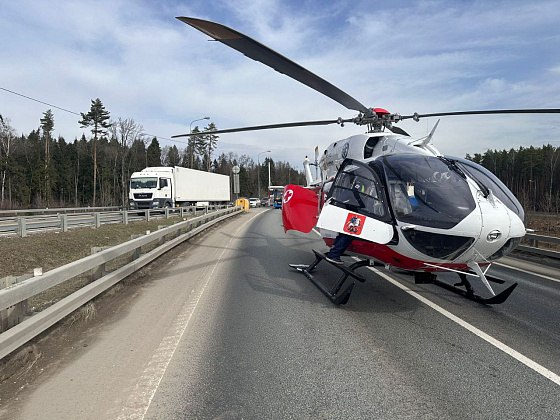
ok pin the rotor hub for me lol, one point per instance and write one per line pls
(377, 119)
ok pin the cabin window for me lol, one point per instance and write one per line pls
(357, 188)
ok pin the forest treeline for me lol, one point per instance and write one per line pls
(531, 173)
(38, 171)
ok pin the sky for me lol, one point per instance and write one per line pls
(404, 56)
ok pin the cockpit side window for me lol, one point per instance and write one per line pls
(358, 188)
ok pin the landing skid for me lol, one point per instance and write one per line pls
(465, 288)
(340, 292)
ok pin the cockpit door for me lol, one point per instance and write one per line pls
(356, 205)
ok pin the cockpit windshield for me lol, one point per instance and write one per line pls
(137, 183)
(492, 183)
(427, 191)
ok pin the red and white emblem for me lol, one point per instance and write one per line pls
(354, 223)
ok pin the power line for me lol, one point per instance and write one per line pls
(77, 113)
(41, 102)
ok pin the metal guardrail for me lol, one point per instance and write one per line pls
(29, 328)
(30, 212)
(23, 225)
(533, 245)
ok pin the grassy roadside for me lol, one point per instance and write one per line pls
(53, 249)
(50, 250)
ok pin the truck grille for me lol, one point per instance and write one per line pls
(142, 196)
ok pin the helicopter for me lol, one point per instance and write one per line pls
(404, 203)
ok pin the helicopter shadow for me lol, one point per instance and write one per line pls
(373, 296)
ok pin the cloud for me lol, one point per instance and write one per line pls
(422, 56)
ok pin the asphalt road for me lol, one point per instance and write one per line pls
(225, 329)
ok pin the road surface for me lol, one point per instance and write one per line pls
(222, 328)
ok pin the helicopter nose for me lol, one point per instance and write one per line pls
(499, 224)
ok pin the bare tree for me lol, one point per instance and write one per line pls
(125, 131)
(7, 137)
(553, 160)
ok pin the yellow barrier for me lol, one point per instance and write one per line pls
(243, 202)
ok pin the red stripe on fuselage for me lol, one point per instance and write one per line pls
(387, 255)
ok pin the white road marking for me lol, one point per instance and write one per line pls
(496, 343)
(527, 272)
(139, 401)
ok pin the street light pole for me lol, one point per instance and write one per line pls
(191, 140)
(259, 173)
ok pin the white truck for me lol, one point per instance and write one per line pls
(160, 187)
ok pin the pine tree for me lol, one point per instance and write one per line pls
(210, 140)
(47, 125)
(97, 119)
(154, 153)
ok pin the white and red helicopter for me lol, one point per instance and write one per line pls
(405, 204)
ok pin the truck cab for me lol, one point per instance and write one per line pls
(151, 188)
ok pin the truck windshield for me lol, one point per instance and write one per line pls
(137, 183)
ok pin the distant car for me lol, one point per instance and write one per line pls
(264, 202)
(254, 202)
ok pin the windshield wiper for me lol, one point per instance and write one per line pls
(452, 164)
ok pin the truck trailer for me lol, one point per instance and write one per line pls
(160, 187)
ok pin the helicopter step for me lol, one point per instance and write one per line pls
(465, 288)
(340, 292)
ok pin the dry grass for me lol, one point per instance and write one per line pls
(50, 250)
(544, 224)
(53, 249)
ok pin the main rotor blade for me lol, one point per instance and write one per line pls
(398, 130)
(267, 127)
(278, 62)
(492, 111)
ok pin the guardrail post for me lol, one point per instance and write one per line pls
(22, 228)
(99, 271)
(147, 215)
(162, 239)
(97, 220)
(125, 217)
(64, 222)
(137, 251)
(13, 315)
(167, 212)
